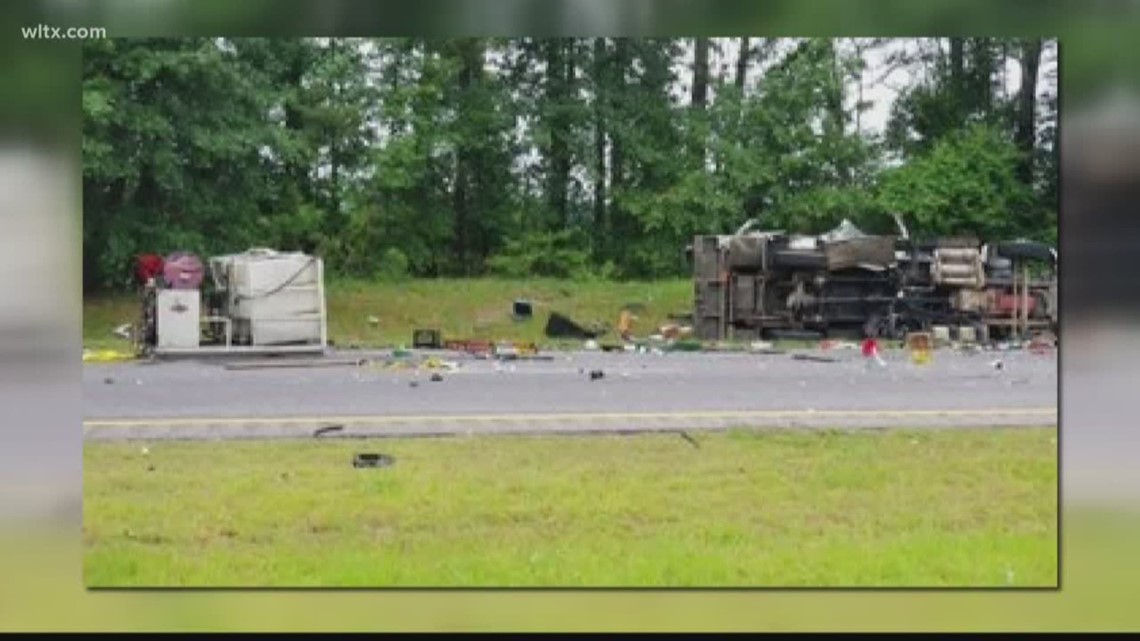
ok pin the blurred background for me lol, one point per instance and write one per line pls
(41, 584)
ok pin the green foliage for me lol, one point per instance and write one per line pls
(965, 185)
(572, 157)
(552, 254)
(393, 265)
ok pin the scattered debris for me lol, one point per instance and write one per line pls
(686, 346)
(437, 377)
(108, 381)
(871, 350)
(591, 345)
(436, 363)
(596, 374)
(414, 384)
(560, 326)
(692, 441)
(764, 347)
(427, 339)
(506, 351)
(326, 430)
(612, 347)
(373, 321)
(625, 324)
(123, 331)
(998, 364)
(673, 331)
(921, 347)
(105, 356)
(479, 348)
(372, 460)
(811, 357)
(522, 310)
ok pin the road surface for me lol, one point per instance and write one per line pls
(637, 392)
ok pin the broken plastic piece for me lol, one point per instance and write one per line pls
(372, 460)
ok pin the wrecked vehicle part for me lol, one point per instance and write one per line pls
(845, 283)
(560, 326)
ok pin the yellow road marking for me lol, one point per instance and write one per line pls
(442, 418)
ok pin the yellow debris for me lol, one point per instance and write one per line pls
(921, 347)
(105, 356)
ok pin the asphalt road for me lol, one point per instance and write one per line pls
(638, 392)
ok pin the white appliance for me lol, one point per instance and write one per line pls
(178, 318)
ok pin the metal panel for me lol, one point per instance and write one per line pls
(706, 258)
(708, 329)
(178, 311)
(872, 250)
(744, 295)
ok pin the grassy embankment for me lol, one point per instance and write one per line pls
(475, 308)
(891, 508)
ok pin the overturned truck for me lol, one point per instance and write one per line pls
(773, 284)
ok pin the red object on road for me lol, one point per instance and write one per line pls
(148, 266)
(870, 347)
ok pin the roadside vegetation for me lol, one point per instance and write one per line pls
(768, 508)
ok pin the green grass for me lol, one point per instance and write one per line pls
(776, 508)
(102, 314)
(461, 308)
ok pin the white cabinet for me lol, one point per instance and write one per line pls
(178, 314)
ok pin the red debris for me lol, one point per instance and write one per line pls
(148, 266)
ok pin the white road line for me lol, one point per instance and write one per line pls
(553, 417)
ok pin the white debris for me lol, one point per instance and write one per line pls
(123, 331)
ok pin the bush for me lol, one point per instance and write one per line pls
(552, 254)
(393, 265)
(966, 184)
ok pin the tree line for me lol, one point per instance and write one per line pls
(566, 157)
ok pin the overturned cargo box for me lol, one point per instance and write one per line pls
(272, 298)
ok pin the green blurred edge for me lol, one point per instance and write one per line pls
(1101, 575)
